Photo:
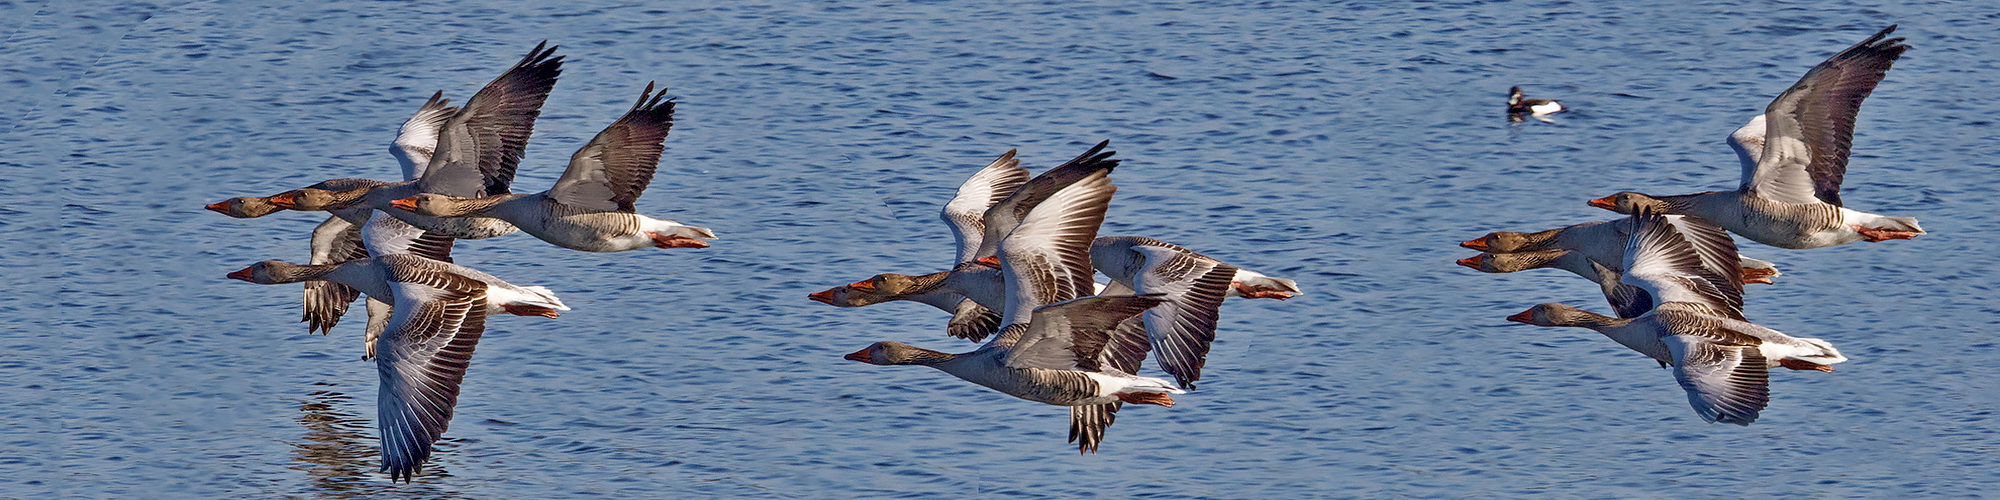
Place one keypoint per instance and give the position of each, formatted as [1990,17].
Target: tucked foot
[1873,234]
[1256,292]
[1758,275]
[675,241]
[1800,364]
[526,310]
[1146,398]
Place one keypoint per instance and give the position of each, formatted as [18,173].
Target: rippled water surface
[1348,146]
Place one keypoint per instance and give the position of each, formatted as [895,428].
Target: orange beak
[1605,203]
[993,262]
[286,200]
[1527,316]
[241,274]
[1478,244]
[220,207]
[1473,261]
[861,355]
[406,204]
[825,297]
[863,285]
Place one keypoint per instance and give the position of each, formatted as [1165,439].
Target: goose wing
[966,212]
[1810,128]
[1009,212]
[1722,370]
[1182,328]
[1046,258]
[479,148]
[1075,334]
[419,136]
[1659,260]
[610,172]
[422,359]
[386,235]
[333,242]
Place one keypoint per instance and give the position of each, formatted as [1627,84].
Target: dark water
[1348,146]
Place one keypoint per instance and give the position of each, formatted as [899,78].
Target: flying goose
[1518,106]
[1790,194]
[372,276]
[1059,346]
[478,150]
[1602,242]
[412,148]
[1181,328]
[428,342]
[1001,199]
[1695,324]
[591,206]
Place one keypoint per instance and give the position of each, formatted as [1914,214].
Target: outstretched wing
[1073,335]
[1182,328]
[1087,424]
[1009,212]
[1659,260]
[1725,383]
[333,242]
[1810,127]
[966,212]
[610,172]
[479,148]
[419,136]
[422,358]
[1046,258]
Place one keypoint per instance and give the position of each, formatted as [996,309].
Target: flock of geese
[1673,275]
[1023,278]
[392,241]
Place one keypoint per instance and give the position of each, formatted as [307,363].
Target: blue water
[1347,146]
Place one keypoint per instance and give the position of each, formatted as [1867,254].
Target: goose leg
[1251,292]
[1799,364]
[673,241]
[525,310]
[1873,235]
[1755,275]
[1146,398]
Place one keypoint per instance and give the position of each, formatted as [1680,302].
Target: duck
[1592,242]
[1695,324]
[477,152]
[439,317]
[590,208]
[1794,157]
[1518,105]
[1060,345]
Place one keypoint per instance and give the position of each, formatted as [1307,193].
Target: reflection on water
[339,451]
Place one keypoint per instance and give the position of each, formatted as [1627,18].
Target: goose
[1059,346]
[591,206]
[1601,242]
[1518,105]
[440,314]
[478,150]
[1790,193]
[988,204]
[1181,328]
[1695,324]
[370,276]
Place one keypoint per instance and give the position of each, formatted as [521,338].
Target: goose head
[438,205]
[273,272]
[1509,241]
[313,199]
[881,288]
[1628,202]
[1511,262]
[244,207]
[897,353]
[1555,314]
